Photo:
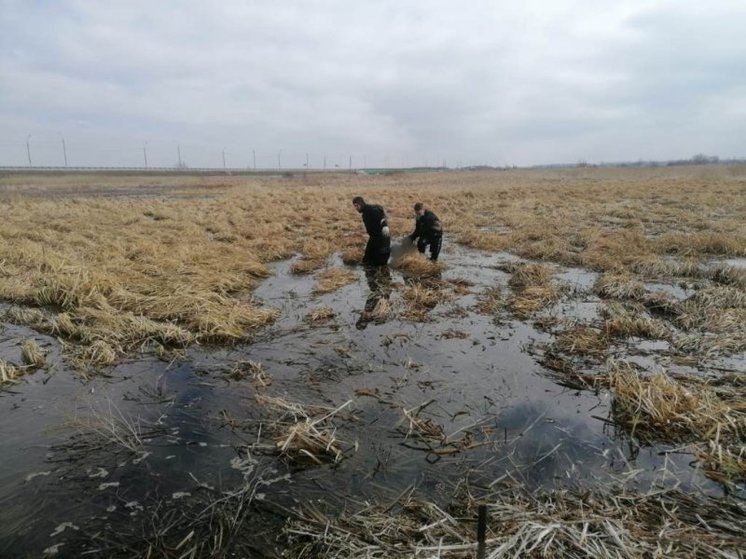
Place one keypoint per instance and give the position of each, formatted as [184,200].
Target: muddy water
[65,490]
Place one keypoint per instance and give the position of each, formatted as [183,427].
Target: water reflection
[377,305]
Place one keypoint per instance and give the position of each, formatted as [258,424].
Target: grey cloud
[484,81]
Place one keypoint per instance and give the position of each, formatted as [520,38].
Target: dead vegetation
[32,354]
[301,437]
[332,279]
[421,297]
[417,265]
[8,372]
[625,322]
[657,407]
[125,271]
[615,522]
[321,314]
[581,339]
[114,276]
[533,288]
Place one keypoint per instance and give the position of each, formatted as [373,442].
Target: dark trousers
[377,251]
[434,241]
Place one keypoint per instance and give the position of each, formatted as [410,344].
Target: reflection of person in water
[379,283]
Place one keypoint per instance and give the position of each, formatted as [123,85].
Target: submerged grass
[32,354]
[533,289]
[615,522]
[418,265]
[657,407]
[581,339]
[332,279]
[8,372]
[302,438]
[625,322]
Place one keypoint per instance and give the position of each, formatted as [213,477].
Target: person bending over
[428,231]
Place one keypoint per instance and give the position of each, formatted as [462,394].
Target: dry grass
[301,439]
[714,309]
[581,339]
[254,370]
[353,255]
[8,372]
[532,289]
[96,355]
[32,354]
[306,266]
[619,286]
[332,279]
[31,317]
[420,295]
[420,299]
[614,523]
[108,424]
[707,346]
[192,262]
[383,310]
[621,321]
[418,265]
[657,407]
[422,428]
[490,301]
[724,463]
[321,314]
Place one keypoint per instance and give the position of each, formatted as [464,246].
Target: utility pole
[253,155]
[350,162]
[279,160]
[145,153]
[223,159]
[28,149]
[178,151]
[64,150]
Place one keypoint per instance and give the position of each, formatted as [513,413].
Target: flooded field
[443,389]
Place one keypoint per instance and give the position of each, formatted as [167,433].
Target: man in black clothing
[428,230]
[378,249]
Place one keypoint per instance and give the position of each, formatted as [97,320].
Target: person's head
[419,208]
[358,202]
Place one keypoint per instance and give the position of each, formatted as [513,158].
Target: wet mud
[88,467]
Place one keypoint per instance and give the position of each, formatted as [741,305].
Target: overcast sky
[386,82]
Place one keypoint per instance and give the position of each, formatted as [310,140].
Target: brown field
[123,268]
[126,271]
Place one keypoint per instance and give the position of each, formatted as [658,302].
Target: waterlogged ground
[101,466]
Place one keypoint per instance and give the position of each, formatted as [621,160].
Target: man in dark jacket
[378,249]
[428,231]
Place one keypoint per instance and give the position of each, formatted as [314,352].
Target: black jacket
[374,218]
[427,225]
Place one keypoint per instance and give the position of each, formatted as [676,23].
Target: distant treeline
[699,159]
